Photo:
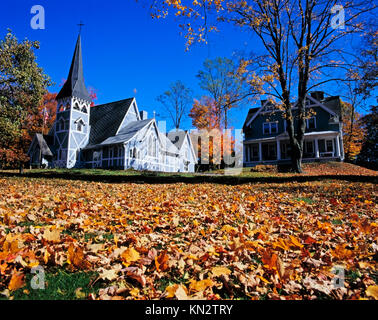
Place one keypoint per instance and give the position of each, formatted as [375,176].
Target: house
[266,139]
[113,135]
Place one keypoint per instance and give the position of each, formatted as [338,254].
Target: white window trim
[270,127]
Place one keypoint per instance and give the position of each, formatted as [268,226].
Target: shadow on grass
[156,178]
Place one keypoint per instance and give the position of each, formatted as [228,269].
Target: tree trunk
[21,171]
[296,157]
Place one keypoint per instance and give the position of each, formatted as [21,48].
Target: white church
[114,135]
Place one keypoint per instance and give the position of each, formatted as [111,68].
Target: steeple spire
[74,86]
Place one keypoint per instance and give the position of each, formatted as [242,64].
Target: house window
[254,152]
[309,147]
[285,150]
[61,125]
[270,127]
[274,127]
[269,151]
[329,145]
[79,125]
[308,151]
[111,155]
[311,123]
[84,110]
[76,106]
[154,148]
[62,154]
[96,156]
[150,146]
[266,128]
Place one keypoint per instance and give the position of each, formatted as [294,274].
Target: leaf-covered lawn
[182,241]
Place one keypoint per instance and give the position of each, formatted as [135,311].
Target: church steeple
[74,86]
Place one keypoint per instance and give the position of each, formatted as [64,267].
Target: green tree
[22,87]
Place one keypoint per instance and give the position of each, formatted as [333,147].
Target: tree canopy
[23,84]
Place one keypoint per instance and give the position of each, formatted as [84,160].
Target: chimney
[143,115]
[318,95]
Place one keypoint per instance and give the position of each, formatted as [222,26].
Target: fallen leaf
[129,256]
[201,285]
[17,281]
[79,294]
[52,236]
[220,271]
[372,291]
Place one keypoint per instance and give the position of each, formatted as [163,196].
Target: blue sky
[124,49]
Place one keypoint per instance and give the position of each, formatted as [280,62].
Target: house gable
[132,114]
[106,120]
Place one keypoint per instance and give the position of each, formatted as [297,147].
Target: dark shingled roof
[74,86]
[43,144]
[334,104]
[127,132]
[105,120]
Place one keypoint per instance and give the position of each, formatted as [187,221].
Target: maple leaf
[199,286]
[53,236]
[108,274]
[76,257]
[220,271]
[372,291]
[295,242]
[129,256]
[341,253]
[17,281]
[161,261]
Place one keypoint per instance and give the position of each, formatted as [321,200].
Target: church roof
[177,137]
[74,86]
[126,133]
[105,120]
[44,142]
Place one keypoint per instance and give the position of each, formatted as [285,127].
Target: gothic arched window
[84,109]
[61,125]
[76,106]
[80,125]
[150,148]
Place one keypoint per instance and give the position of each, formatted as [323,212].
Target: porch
[316,146]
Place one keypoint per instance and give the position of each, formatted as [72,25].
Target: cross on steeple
[81,24]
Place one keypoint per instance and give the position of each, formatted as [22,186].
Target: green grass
[60,285]
[304,199]
[104,172]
